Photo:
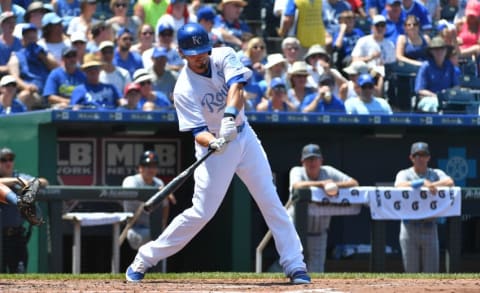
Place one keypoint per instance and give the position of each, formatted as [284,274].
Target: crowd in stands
[343,56]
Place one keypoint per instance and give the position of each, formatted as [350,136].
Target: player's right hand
[228,129]
[218,144]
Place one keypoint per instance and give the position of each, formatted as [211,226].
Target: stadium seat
[469,81]
[401,85]
[458,101]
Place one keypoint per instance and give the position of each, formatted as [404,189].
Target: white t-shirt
[375,106]
[367,45]
[55,48]
[118,78]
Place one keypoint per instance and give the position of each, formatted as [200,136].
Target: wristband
[230,111]
[417,183]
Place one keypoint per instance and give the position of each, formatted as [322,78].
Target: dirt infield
[243,285]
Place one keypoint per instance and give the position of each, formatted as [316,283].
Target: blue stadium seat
[401,85]
[470,81]
[458,101]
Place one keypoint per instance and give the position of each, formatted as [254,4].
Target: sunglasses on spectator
[381,24]
[4,160]
[411,24]
[147,33]
[127,39]
[145,82]
[118,5]
[367,87]
[167,33]
[258,47]
[279,89]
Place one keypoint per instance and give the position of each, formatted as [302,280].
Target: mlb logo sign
[76,159]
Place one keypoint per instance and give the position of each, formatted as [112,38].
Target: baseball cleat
[136,271]
[300,277]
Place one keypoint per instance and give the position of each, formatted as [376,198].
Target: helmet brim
[197,51]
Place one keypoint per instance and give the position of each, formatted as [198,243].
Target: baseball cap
[364,79]
[326,79]
[141,75]
[6,15]
[7,79]
[4,152]
[379,19]
[164,27]
[274,59]
[133,86]
[68,50]
[123,31]
[298,68]
[356,67]
[206,13]
[78,37]
[311,150]
[419,147]
[51,18]
[105,44]
[159,52]
[277,82]
[239,2]
[28,27]
[315,50]
[392,2]
[148,157]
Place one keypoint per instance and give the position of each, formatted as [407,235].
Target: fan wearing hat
[177,15]
[93,94]
[367,103]
[85,20]
[163,79]
[165,40]
[8,96]
[276,66]
[435,74]
[149,96]
[319,60]
[229,22]
[374,49]
[276,99]
[206,16]
[62,80]
[351,89]
[33,15]
[297,77]
[31,66]
[323,100]
[419,238]
[53,39]
[99,32]
[132,95]
[8,42]
[122,56]
[313,173]
[110,73]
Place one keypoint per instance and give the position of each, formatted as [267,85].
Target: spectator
[8,42]
[366,102]
[15,236]
[276,66]
[144,79]
[419,238]
[163,79]
[276,99]
[79,42]
[351,89]
[374,49]
[100,32]
[206,17]
[310,29]
[291,50]
[324,100]
[297,77]
[176,16]
[66,9]
[435,74]
[33,15]
[468,35]
[418,9]
[132,96]
[9,103]
[120,19]
[345,39]
[229,22]
[111,74]
[94,94]
[412,47]
[434,8]
[31,66]
[448,32]
[395,19]
[150,11]
[257,52]
[53,40]
[122,57]
[62,80]
[165,40]
[374,7]
[146,38]
[85,20]
[147,170]
[313,173]
[17,10]
[331,10]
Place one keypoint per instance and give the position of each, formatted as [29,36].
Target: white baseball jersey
[201,100]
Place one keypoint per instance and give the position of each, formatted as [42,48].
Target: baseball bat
[153,202]
[130,223]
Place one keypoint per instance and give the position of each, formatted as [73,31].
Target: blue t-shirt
[161,101]
[394,29]
[349,41]
[67,10]
[99,95]
[6,51]
[60,83]
[132,63]
[336,105]
[434,78]
[17,107]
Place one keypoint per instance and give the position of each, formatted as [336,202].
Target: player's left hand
[228,129]
[218,145]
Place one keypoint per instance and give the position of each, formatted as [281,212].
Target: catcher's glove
[26,201]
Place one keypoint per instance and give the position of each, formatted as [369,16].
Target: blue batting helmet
[193,39]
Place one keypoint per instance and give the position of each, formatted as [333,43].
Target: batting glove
[218,144]
[228,129]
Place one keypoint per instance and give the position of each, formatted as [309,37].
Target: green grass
[234,275]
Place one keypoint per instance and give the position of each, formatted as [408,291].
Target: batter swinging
[209,101]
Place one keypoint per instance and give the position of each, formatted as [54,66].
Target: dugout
[98,148]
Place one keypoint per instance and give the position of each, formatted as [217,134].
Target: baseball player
[139,234]
[314,173]
[419,238]
[209,101]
